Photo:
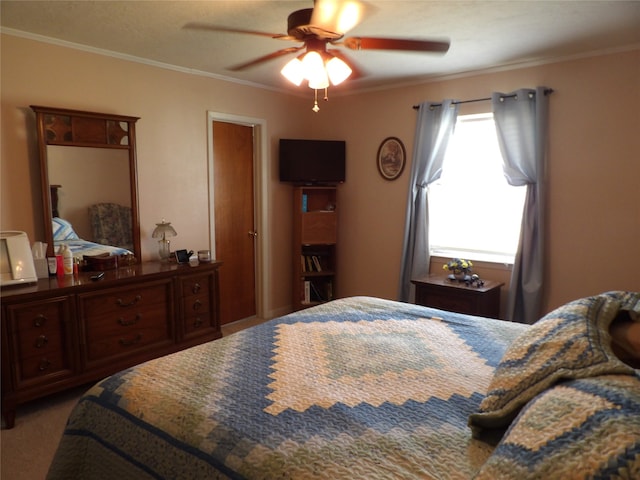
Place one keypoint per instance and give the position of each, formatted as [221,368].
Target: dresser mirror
[89,181]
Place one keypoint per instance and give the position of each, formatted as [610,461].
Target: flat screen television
[312,162]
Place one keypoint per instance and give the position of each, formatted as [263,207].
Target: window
[473,211]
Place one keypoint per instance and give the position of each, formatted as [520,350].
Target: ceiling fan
[317,28]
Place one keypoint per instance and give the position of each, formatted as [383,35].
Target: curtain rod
[547,91]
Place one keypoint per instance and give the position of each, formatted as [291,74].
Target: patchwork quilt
[356,388]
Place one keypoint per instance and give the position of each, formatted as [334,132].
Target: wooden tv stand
[66,331]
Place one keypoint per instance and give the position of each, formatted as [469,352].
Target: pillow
[62,230]
[572,341]
[588,428]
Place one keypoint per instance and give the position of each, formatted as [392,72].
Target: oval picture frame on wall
[391,158]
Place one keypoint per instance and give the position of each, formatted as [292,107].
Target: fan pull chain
[315,108]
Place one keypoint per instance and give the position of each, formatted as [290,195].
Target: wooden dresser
[67,331]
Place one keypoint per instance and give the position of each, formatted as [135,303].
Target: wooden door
[234,219]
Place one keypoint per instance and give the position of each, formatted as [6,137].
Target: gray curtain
[434,127]
[521,123]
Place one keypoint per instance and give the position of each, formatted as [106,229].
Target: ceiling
[483,34]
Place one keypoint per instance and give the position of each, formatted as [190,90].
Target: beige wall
[593,195]
[593,207]
[171,140]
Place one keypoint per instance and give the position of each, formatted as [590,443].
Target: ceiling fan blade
[265,58]
[337,16]
[217,28]
[371,43]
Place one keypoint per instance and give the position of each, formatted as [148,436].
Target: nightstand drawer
[440,292]
[454,303]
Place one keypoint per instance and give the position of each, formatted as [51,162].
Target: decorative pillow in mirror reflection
[63,230]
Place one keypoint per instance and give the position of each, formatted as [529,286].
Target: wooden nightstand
[439,292]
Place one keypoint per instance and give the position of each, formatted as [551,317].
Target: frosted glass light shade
[313,68]
[338,70]
[315,71]
[293,71]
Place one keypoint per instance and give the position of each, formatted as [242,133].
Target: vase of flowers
[460,269]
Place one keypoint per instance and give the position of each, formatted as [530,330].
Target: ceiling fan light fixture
[315,71]
[294,71]
[338,70]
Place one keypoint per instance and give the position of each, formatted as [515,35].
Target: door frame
[261,199]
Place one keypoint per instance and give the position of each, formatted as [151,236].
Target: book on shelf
[307,291]
[316,263]
[315,293]
[305,199]
[311,263]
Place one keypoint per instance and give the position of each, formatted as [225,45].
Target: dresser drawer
[197,304]
[197,314]
[131,342]
[32,343]
[43,366]
[122,300]
[40,340]
[37,317]
[196,285]
[125,321]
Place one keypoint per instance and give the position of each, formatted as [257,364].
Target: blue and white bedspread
[356,388]
[80,247]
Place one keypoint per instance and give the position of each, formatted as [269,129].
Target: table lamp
[162,231]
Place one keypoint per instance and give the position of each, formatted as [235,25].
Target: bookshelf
[315,233]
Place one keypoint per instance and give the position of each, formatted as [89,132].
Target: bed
[366,388]
[64,234]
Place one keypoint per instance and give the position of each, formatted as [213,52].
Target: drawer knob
[197,322]
[122,303]
[132,341]
[41,341]
[196,288]
[128,323]
[197,305]
[40,320]
[44,364]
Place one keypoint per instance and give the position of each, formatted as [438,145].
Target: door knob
[253,234]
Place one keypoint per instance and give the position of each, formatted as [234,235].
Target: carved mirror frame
[76,128]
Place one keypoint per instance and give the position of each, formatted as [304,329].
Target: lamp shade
[163,230]
[315,71]
[338,70]
[293,71]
